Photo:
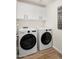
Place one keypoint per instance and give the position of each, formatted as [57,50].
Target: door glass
[46,38]
[28,41]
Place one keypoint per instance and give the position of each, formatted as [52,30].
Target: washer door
[46,38]
[28,41]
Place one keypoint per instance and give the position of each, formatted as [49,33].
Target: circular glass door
[28,41]
[46,38]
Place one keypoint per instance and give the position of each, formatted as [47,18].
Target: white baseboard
[57,49]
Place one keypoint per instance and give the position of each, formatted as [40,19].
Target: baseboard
[57,50]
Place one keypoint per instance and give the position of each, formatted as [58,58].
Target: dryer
[27,42]
[45,39]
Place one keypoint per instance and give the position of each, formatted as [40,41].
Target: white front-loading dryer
[27,42]
[45,39]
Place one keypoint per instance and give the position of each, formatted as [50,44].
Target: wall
[31,23]
[52,22]
[32,11]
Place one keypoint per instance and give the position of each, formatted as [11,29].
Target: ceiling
[42,3]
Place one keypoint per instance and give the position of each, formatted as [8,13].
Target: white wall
[30,10]
[52,22]
[30,23]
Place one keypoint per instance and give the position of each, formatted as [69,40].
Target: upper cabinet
[29,11]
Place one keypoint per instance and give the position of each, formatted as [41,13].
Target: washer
[27,42]
[45,39]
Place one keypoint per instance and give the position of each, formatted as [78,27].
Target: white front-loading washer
[45,38]
[27,42]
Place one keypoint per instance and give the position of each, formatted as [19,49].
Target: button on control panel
[28,31]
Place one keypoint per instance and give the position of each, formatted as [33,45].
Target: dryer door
[28,41]
[46,38]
